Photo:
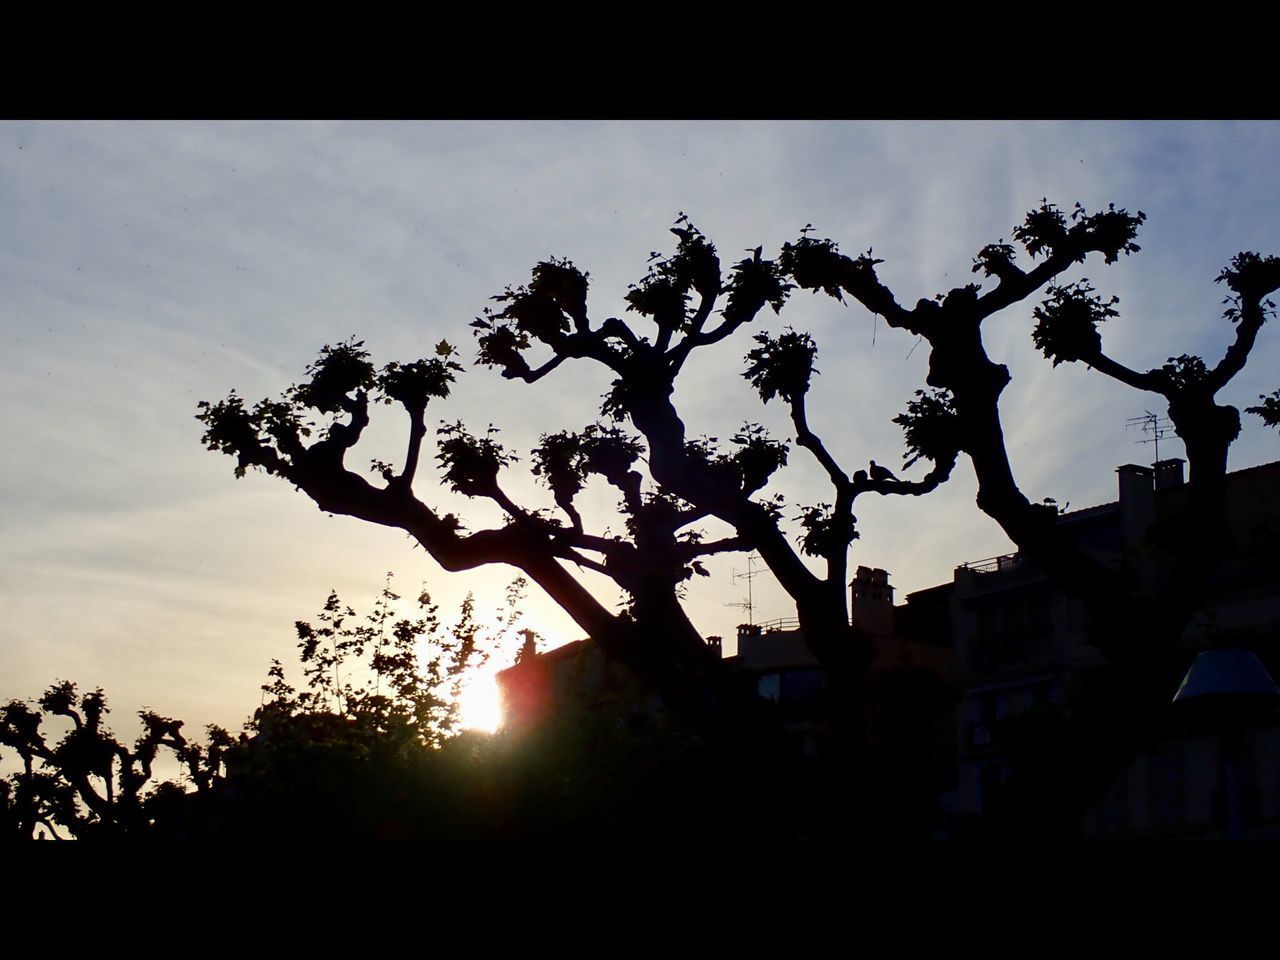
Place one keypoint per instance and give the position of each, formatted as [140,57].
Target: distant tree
[343,755]
[89,784]
[357,753]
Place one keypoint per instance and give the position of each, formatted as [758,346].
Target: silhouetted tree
[691,478]
[1136,622]
[88,783]
[687,302]
[354,754]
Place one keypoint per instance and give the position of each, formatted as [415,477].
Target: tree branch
[1252,316]
[711,547]
[1118,371]
[417,431]
[939,475]
[530,375]
[811,442]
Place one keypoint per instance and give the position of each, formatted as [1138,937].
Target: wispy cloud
[148,266]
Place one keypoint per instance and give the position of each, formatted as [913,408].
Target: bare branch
[529,375]
[811,442]
[1149,381]
[710,547]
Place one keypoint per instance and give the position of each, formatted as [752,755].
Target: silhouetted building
[912,664]
[1022,648]
[580,673]
[909,684]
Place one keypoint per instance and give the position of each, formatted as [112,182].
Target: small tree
[89,783]
[343,754]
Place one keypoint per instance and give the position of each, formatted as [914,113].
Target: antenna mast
[750,575]
[1151,423]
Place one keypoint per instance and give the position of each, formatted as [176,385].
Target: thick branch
[1252,316]
[939,475]
[586,563]
[532,376]
[811,442]
[1118,371]
[859,280]
[613,328]
[1017,284]
[680,353]
[711,547]
[343,436]
[417,431]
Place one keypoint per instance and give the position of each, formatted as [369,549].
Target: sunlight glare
[481,703]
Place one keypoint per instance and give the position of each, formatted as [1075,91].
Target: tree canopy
[668,481]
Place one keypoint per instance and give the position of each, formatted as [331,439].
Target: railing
[1008,561]
[779,625]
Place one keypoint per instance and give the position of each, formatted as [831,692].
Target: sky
[149,266]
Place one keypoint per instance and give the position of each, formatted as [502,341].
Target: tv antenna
[1156,426]
[750,574]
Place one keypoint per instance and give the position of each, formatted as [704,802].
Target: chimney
[872,601]
[1168,473]
[1137,502]
[717,646]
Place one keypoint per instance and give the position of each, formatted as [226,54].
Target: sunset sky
[148,266]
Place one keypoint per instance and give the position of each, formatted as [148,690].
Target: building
[911,666]
[580,673]
[1022,648]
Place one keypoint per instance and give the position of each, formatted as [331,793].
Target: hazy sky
[148,266]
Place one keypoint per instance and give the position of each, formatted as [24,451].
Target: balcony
[1001,564]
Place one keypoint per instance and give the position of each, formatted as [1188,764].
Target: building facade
[1022,649]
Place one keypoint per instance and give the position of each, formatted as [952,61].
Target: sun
[481,703]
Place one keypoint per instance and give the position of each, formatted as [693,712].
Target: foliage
[89,784]
[1066,323]
[782,366]
[929,427]
[1268,410]
[344,754]
[670,480]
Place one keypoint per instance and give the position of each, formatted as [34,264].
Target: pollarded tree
[88,782]
[653,635]
[686,303]
[1136,622]
[689,479]
[1066,330]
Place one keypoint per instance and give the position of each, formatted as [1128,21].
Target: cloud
[148,266]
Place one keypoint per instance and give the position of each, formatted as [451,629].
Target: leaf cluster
[1067,322]
[825,534]
[1046,230]
[664,292]
[471,464]
[1184,373]
[1268,410]
[565,460]
[414,384]
[930,427]
[782,366]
